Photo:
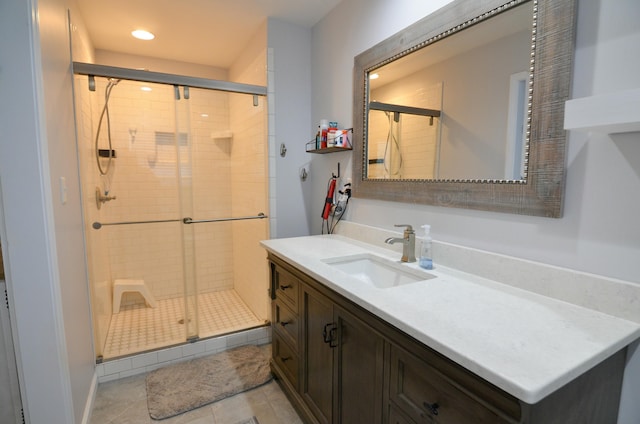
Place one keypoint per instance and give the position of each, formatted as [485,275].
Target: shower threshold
[138,329]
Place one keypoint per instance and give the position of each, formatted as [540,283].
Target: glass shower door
[133,208]
[224,192]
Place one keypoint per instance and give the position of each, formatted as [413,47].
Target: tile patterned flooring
[124,401]
[138,328]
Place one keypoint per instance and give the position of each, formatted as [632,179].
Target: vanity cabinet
[339,363]
[339,360]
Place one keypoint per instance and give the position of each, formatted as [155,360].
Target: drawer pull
[431,407]
[287,286]
[285,359]
[285,323]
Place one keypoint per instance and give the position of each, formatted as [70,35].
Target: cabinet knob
[285,359]
[288,286]
[431,407]
[285,323]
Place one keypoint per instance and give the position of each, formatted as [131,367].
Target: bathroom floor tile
[124,402]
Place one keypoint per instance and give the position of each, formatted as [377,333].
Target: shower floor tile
[138,328]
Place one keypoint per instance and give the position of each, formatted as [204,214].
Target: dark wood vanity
[339,363]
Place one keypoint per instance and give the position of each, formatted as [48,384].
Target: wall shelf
[344,146]
[221,135]
[330,150]
[611,113]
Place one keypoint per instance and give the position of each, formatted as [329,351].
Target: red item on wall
[329,200]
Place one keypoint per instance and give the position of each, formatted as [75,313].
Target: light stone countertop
[527,344]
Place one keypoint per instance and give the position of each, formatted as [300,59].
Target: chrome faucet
[408,243]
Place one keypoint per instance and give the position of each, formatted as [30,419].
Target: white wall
[599,231]
[290,123]
[67,212]
[42,236]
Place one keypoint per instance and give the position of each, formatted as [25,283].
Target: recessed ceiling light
[373,76]
[142,34]
[145,88]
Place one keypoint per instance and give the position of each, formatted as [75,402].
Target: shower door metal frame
[91,69]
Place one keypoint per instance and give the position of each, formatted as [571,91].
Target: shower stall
[175,191]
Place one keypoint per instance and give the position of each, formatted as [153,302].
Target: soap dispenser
[426,257]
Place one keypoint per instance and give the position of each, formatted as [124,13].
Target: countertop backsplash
[608,295]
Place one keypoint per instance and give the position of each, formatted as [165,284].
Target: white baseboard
[91,397]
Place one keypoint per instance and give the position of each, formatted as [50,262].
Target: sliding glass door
[174,182]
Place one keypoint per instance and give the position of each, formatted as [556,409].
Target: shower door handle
[189,220]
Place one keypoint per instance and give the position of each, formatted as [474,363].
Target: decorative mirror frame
[541,193]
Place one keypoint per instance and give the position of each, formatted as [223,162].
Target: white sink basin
[376,271]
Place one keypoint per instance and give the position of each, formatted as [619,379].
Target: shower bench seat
[122,286]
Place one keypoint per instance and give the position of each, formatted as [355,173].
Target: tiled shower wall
[145,181]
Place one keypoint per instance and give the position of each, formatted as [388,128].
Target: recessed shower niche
[185,210]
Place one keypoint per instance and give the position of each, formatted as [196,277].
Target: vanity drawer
[426,395]
[286,323]
[396,417]
[285,359]
[286,287]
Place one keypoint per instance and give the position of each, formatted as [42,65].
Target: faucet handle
[408,228]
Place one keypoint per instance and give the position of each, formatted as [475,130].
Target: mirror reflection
[456,109]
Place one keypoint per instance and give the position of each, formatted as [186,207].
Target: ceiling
[206,32]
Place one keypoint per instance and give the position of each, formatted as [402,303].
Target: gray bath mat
[188,385]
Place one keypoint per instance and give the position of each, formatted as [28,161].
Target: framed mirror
[465,108]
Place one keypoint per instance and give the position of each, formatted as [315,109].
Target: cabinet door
[358,371]
[317,381]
